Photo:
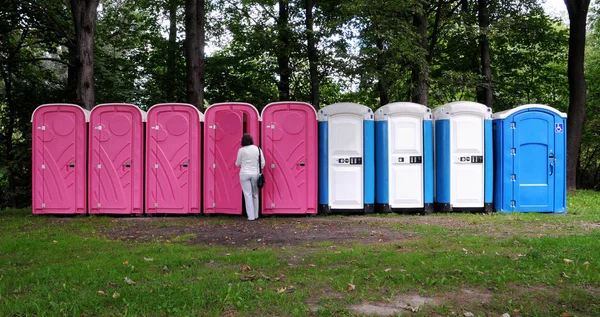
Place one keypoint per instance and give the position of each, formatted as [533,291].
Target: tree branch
[28,60]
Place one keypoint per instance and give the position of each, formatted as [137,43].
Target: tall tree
[171,50]
[283,54]
[484,93]
[312,55]
[192,50]
[420,69]
[201,24]
[84,18]
[577,10]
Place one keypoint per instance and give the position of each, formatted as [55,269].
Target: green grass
[53,266]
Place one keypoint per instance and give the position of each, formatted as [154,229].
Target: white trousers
[250,190]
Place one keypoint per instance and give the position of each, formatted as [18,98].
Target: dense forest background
[503,53]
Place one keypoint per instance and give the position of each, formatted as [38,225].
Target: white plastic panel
[345,179]
[406,161]
[467,177]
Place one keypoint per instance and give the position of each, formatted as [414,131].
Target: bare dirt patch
[240,232]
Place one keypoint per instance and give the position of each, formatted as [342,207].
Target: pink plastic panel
[173,159]
[289,140]
[224,125]
[59,165]
[116,162]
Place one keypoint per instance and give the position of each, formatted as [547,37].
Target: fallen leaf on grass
[505,315]
[165,268]
[351,287]
[260,289]
[563,274]
[263,276]
[126,262]
[245,267]
[311,265]
[116,295]
[281,290]
[468,314]
[129,281]
[387,270]
[566,314]
[568,261]
[247,278]
[148,259]
[101,292]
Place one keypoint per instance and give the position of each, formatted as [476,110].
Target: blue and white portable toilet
[463,157]
[346,158]
[530,149]
[403,158]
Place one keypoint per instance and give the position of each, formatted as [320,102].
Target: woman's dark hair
[247,140]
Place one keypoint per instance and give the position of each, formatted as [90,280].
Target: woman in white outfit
[247,159]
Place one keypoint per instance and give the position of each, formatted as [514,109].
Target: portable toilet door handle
[551,169]
[185,164]
[128,164]
[72,164]
[302,163]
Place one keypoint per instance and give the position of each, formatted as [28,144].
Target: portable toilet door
[463,157]
[531,148]
[346,158]
[289,144]
[224,125]
[59,159]
[403,158]
[173,160]
[116,159]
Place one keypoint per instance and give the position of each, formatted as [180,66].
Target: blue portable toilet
[403,158]
[346,158]
[463,157]
[530,146]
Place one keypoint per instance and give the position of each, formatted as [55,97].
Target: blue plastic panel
[428,161]
[560,181]
[369,163]
[442,157]
[489,163]
[382,182]
[323,167]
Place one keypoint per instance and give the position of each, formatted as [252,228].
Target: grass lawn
[443,264]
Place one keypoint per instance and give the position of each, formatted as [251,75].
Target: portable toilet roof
[344,107]
[86,113]
[142,112]
[233,103]
[456,107]
[404,108]
[507,113]
[200,115]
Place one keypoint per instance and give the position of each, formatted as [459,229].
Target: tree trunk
[578,10]
[201,23]
[485,93]
[191,53]
[420,70]
[9,130]
[381,85]
[171,52]
[312,55]
[283,55]
[84,19]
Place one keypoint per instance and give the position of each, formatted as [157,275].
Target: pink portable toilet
[289,143]
[173,161]
[116,159]
[224,125]
[58,159]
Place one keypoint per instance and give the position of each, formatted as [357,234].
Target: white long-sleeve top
[247,158]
